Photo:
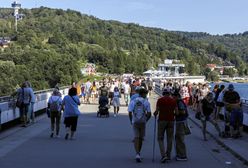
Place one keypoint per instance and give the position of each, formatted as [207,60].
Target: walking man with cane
[139,113]
[165,109]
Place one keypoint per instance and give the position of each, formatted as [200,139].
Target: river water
[241,88]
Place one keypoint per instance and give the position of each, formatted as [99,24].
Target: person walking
[139,113]
[165,108]
[207,107]
[93,90]
[55,108]
[127,90]
[70,105]
[116,101]
[181,124]
[88,90]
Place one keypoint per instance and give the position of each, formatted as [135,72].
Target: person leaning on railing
[233,113]
[24,98]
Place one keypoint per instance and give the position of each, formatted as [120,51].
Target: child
[116,101]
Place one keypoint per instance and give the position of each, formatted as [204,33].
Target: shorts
[88,94]
[139,130]
[71,122]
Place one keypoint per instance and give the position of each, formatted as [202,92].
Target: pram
[103,107]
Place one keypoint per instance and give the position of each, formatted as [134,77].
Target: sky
[211,16]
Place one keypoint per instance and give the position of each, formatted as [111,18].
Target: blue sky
[211,16]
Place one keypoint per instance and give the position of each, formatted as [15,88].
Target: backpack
[54,106]
[139,113]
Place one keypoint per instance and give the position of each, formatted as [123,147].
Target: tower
[16,6]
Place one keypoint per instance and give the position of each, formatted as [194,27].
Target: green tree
[229,71]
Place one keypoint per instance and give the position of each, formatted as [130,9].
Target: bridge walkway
[102,142]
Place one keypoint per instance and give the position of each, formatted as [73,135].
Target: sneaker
[114,115]
[57,136]
[66,136]
[138,158]
[164,159]
[181,158]
[51,135]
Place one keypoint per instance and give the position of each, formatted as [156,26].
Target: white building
[173,70]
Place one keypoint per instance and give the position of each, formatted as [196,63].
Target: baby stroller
[103,107]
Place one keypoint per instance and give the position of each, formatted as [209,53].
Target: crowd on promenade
[171,109]
[209,104]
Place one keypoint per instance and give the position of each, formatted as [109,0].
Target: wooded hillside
[52,45]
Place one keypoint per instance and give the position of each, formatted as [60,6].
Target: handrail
[11,98]
[158,90]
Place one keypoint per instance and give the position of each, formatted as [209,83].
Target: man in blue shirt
[24,95]
[139,113]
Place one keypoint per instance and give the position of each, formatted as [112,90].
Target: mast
[16,6]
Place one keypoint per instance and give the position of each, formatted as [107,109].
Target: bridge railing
[9,111]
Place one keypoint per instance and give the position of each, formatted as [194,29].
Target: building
[4,42]
[173,70]
[89,69]
[219,68]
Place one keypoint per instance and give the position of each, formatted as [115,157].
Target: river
[241,88]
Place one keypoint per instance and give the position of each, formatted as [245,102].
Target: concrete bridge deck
[102,142]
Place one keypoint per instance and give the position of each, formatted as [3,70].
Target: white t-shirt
[112,87]
[126,89]
[87,86]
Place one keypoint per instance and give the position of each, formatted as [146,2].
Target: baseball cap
[230,87]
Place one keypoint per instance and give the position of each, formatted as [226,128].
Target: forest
[52,45]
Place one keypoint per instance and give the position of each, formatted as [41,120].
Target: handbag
[19,104]
[187,130]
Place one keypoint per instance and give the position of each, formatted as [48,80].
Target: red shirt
[166,106]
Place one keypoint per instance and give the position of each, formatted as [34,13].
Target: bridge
[107,142]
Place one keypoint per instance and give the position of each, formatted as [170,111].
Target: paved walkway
[101,142]
[238,147]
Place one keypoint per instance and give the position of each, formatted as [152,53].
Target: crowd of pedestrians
[171,109]
[209,105]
